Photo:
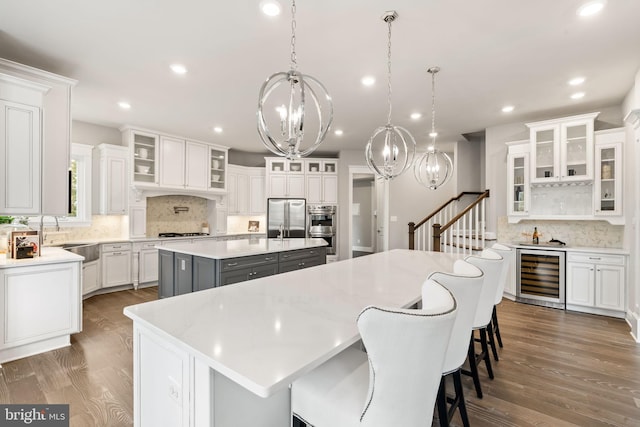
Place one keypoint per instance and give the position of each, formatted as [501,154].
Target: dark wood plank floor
[556,369]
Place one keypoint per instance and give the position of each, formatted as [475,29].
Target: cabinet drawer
[302,253]
[595,258]
[116,247]
[299,264]
[250,261]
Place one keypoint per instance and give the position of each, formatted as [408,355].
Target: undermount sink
[90,251]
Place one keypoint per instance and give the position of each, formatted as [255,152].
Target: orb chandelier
[390,149]
[291,103]
[434,168]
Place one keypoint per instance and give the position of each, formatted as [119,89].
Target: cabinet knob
[231,264]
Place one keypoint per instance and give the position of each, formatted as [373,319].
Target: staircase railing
[462,232]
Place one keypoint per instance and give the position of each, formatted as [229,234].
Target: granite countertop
[49,256]
[241,248]
[568,248]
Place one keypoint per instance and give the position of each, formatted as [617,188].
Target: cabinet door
[145,158]
[243,194]
[576,150]
[314,189]
[204,273]
[196,166]
[138,221]
[165,274]
[257,199]
[183,274]
[148,266]
[518,184]
[580,284]
[546,154]
[172,161]
[20,159]
[330,189]
[116,179]
[296,186]
[116,268]
[90,277]
[236,276]
[221,220]
[232,192]
[218,172]
[264,271]
[278,186]
[608,180]
[610,287]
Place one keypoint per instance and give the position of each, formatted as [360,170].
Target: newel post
[436,237]
[412,231]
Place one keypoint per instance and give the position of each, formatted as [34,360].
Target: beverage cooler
[541,277]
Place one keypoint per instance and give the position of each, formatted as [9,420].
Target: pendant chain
[433,106]
[389,71]
[294,63]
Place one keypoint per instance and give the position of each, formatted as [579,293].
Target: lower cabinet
[90,277]
[116,264]
[181,273]
[596,283]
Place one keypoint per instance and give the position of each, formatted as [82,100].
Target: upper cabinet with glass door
[562,149]
[608,174]
[518,189]
[218,165]
[144,147]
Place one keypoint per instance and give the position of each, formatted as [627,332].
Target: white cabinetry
[145,263]
[313,179]
[197,165]
[110,184]
[90,277]
[144,154]
[608,173]
[172,157]
[562,149]
[35,130]
[596,283]
[116,264]
[245,186]
[518,185]
[285,178]
[40,307]
[322,181]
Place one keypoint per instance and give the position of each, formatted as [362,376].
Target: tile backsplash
[179,214]
[593,234]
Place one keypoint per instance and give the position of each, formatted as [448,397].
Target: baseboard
[362,248]
[634,323]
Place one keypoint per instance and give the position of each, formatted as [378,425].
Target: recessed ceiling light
[270,7]
[577,95]
[178,68]
[591,8]
[507,108]
[338,132]
[433,134]
[124,105]
[416,116]
[576,81]
[217,129]
[368,80]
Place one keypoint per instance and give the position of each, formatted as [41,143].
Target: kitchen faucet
[41,236]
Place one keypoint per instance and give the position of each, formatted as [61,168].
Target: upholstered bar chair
[506,253]
[465,284]
[490,262]
[395,383]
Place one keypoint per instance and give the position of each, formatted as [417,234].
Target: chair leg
[473,367]
[492,341]
[496,327]
[462,407]
[485,352]
[441,402]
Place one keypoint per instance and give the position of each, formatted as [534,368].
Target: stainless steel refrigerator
[288,214]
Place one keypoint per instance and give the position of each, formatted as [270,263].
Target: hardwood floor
[556,369]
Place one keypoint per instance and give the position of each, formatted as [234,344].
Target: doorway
[368,212]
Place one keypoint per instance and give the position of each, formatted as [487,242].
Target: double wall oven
[322,222]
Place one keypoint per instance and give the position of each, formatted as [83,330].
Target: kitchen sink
[90,251]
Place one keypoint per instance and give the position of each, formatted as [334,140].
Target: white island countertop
[264,333]
[50,255]
[241,248]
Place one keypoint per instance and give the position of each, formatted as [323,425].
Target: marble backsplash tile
[103,227]
[162,216]
[596,234]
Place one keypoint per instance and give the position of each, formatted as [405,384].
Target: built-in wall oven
[322,222]
[541,277]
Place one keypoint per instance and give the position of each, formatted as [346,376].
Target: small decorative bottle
[535,235]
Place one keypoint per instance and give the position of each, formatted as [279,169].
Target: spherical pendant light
[434,168]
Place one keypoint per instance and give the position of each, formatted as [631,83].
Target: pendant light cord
[433,107]
[294,63]
[389,21]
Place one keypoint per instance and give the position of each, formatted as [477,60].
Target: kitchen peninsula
[190,267]
[225,356]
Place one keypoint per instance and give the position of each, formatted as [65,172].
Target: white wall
[92,134]
[362,222]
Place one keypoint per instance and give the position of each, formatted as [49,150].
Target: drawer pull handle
[231,264]
[595,258]
[269,258]
[285,256]
[117,253]
[312,252]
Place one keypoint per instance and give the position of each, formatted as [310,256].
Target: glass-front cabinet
[518,186]
[608,182]
[145,159]
[562,149]
[218,165]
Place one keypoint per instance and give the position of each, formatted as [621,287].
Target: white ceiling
[492,53]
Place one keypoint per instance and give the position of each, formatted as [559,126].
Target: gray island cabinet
[190,267]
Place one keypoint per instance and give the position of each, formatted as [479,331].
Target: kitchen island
[40,303]
[226,356]
[191,267]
